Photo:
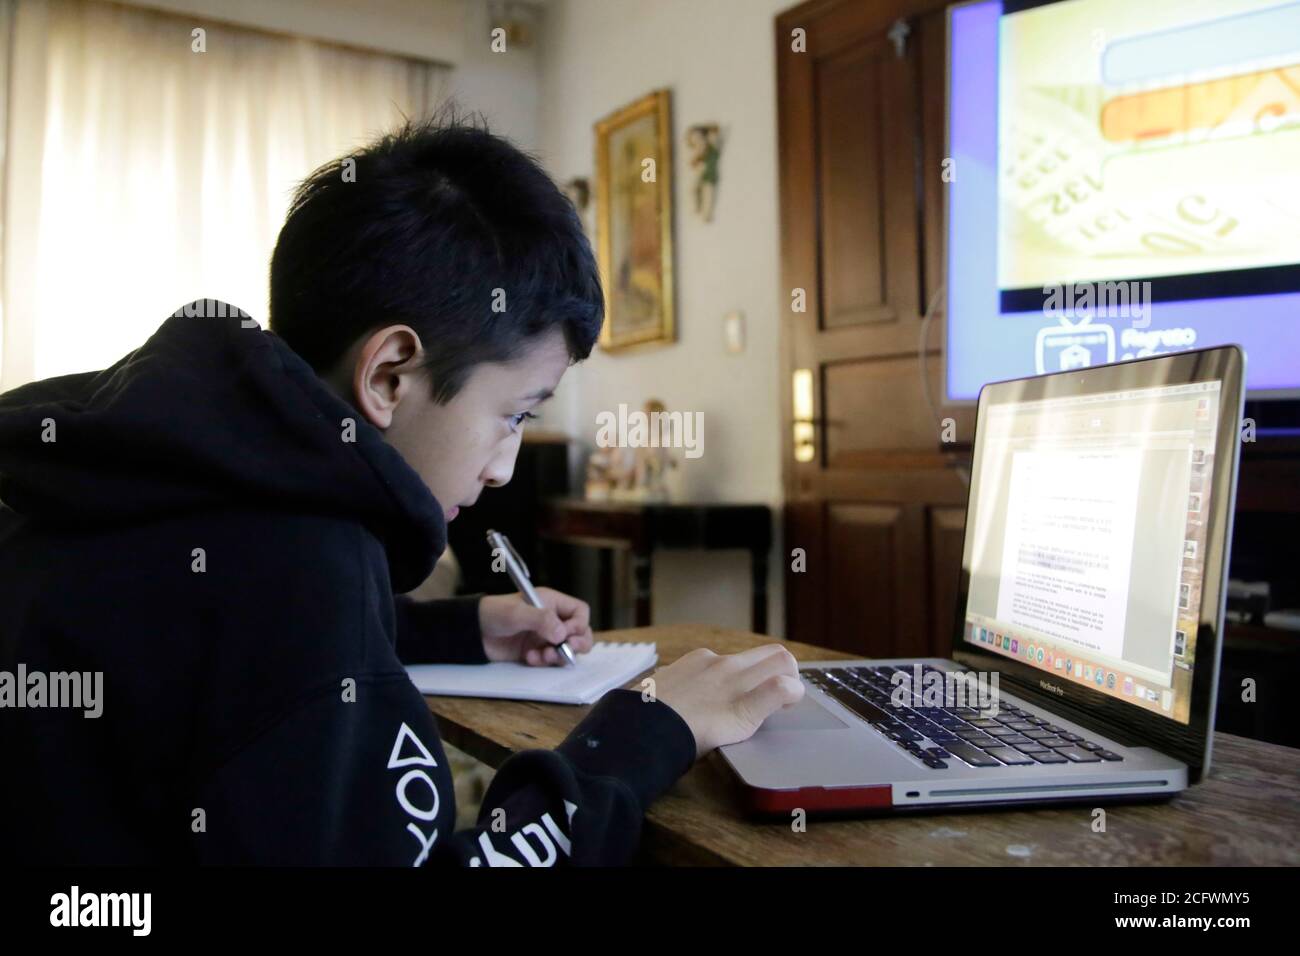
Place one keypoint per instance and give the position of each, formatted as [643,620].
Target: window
[147,166]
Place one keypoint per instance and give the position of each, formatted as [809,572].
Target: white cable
[962,473]
[921,355]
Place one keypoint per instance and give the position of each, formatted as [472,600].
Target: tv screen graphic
[1126,183]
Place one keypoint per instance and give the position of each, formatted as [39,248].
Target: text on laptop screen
[1088,538]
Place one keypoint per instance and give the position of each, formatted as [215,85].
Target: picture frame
[635,223]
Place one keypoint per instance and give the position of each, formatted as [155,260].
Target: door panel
[848,97]
[875,405]
[878,597]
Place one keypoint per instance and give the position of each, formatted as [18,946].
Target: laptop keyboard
[1008,737]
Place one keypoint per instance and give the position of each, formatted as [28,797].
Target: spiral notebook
[601,669]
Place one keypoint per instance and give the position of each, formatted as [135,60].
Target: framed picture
[634,222]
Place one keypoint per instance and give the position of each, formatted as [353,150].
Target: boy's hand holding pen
[537,626]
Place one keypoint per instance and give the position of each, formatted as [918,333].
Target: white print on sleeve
[527,850]
[422,759]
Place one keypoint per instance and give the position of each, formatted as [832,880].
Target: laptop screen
[1087,544]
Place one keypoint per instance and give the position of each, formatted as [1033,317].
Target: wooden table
[641,527]
[1247,812]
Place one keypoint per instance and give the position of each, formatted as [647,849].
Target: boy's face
[473,439]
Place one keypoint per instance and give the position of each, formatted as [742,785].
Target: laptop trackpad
[808,714]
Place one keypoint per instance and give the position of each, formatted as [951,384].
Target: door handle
[804,419]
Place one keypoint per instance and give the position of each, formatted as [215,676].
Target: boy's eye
[517,421]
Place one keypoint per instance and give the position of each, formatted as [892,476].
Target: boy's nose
[502,467]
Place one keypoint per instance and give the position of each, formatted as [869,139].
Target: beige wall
[503,86]
[717,58]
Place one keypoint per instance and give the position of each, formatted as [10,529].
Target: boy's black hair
[443,221]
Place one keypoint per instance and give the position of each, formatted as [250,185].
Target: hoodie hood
[209,414]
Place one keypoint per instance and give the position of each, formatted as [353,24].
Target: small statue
[642,473]
[608,470]
[652,464]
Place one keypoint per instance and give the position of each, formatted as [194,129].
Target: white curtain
[142,174]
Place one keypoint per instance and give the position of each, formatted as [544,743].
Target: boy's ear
[385,369]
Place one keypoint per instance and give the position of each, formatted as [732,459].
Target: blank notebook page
[603,668]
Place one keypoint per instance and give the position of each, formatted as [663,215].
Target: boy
[209,537]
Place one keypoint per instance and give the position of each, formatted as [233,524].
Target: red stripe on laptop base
[820,798]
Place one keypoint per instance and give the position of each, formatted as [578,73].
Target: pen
[518,572]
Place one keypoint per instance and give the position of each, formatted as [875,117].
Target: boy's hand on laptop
[724,698]
[514,630]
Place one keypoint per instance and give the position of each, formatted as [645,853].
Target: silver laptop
[1085,651]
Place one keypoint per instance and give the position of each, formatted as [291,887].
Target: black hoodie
[191,524]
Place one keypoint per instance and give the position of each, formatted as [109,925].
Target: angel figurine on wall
[704,141]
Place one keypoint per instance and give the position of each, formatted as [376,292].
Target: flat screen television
[1122,180]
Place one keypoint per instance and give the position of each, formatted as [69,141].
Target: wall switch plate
[733,330]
